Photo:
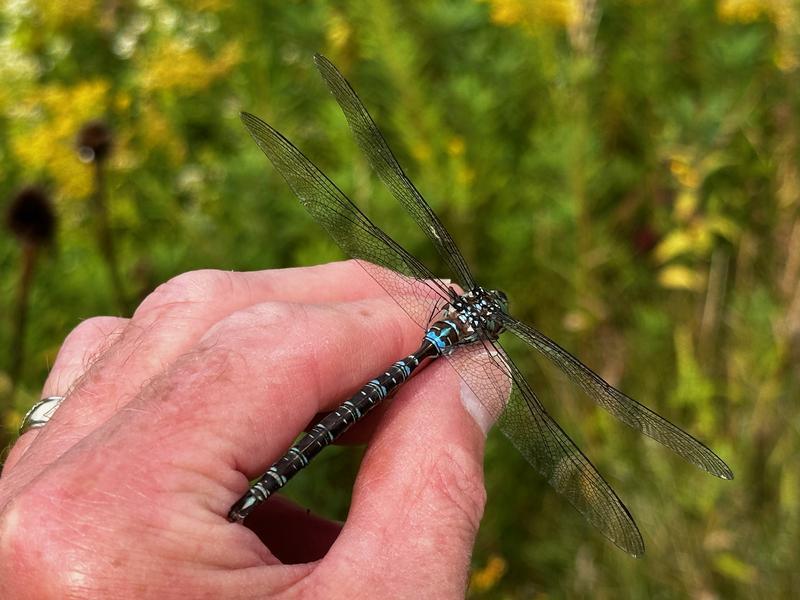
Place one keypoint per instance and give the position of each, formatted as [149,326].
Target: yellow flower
[181,67]
[207,5]
[783,13]
[694,240]
[684,172]
[123,102]
[338,32]
[686,204]
[532,14]
[159,135]
[787,59]
[57,113]
[507,12]
[485,579]
[465,175]
[742,11]
[421,151]
[786,15]
[456,146]
[58,13]
[681,277]
[674,244]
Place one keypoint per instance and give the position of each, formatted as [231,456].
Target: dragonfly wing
[623,407]
[503,391]
[374,146]
[403,277]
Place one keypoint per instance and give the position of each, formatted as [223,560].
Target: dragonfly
[461,328]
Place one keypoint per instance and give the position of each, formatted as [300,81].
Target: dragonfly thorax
[477,314]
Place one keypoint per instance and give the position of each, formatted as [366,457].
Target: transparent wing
[503,391]
[403,277]
[624,408]
[380,156]
[493,379]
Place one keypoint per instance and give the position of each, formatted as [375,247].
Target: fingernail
[483,417]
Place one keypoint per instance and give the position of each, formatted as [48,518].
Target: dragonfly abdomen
[331,427]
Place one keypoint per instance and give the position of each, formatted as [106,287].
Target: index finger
[167,324]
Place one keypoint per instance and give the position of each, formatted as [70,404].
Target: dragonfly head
[497,302]
[501,299]
[480,311]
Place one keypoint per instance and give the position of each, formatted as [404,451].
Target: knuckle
[244,340]
[252,323]
[82,347]
[87,332]
[177,389]
[187,288]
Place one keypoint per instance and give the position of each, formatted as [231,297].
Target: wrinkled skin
[125,492]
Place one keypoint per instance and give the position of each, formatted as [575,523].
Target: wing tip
[248,118]
[256,127]
[726,474]
[632,544]
[632,547]
[716,467]
[322,61]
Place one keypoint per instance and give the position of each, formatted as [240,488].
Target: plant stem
[106,240]
[29,255]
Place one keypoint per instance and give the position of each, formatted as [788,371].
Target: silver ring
[39,414]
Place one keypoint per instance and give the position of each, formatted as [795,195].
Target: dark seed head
[31,217]
[644,239]
[94,141]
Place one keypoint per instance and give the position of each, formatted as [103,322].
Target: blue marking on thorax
[438,339]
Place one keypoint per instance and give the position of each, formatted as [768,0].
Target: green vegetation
[626,171]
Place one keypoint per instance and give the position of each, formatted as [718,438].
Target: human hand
[125,492]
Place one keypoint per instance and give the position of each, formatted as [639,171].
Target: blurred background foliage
[627,171]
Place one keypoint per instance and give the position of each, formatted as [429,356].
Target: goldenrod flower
[743,11]
[532,14]
[58,13]
[783,14]
[486,578]
[57,113]
[159,134]
[456,146]
[680,277]
[181,67]
[338,31]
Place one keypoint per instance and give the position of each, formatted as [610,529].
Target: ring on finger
[40,413]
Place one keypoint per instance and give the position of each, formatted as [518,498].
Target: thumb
[419,496]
